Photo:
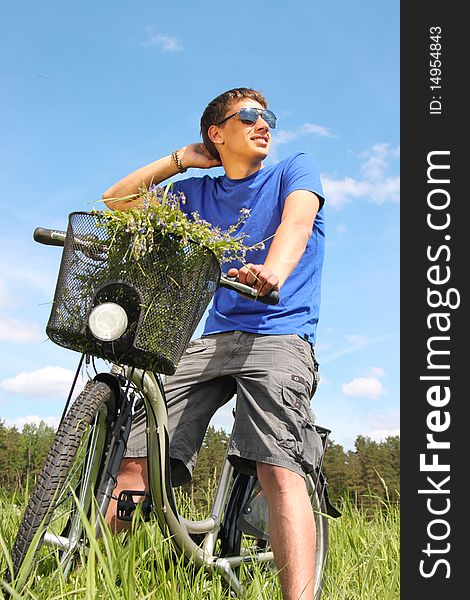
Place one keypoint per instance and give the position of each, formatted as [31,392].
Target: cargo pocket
[196,346]
[304,439]
[294,395]
[305,352]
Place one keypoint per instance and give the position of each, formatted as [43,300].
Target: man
[262,353]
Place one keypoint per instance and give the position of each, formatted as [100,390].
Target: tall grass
[139,565]
[364,553]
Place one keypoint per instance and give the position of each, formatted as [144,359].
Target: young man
[262,353]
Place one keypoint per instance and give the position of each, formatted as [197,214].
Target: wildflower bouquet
[160,221]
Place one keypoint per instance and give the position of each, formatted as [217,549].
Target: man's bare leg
[291,530]
[132,475]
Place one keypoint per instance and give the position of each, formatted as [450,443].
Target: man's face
[246,140]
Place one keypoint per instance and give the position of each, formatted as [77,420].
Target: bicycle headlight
[108,321]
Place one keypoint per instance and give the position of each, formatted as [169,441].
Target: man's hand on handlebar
[257,276]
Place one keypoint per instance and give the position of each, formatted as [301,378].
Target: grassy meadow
[363,564]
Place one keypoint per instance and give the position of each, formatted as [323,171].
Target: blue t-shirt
[219,200]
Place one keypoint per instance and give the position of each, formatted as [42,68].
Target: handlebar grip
[49,237]
[231,283]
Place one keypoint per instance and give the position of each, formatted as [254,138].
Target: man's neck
[237,169]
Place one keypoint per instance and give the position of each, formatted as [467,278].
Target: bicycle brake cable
[64,412]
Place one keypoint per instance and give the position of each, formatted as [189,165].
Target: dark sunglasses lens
[269,117]
[248,115]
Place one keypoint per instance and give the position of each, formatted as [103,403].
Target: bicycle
[110,320]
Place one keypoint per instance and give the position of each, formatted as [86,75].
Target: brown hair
[215,111]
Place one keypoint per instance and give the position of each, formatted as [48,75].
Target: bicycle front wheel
[53,520]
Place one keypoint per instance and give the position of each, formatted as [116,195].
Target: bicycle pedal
[126,505]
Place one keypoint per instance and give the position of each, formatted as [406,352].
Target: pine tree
[35,443]
[10,458]
[208,466]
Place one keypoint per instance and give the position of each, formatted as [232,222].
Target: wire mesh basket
[164,295]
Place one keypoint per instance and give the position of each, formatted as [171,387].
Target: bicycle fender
[111,381]
[331,510]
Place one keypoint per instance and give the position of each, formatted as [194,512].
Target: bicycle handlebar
[231,283]
[55,237]
[49,237]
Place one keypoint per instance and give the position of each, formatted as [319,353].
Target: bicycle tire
[319,507]
[233,538]
[77,454]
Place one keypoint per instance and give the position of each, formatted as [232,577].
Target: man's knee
[279,478]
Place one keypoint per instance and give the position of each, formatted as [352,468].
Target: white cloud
[40,277]
[379,435]
[383,425]
[358,340]
[340,192]
[311,128]
[356,343]
[346,420]
[49,382]
[20,422]
[376,185]
[6,300]
[284,136]
[368,387]
[324,380]
[15,330]
[377,372]
[165,42]
[377,161]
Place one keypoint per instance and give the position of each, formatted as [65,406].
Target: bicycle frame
[164,503]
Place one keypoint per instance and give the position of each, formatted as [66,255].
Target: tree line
[22,454]
[368,474]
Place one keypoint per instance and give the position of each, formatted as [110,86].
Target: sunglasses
[250,114]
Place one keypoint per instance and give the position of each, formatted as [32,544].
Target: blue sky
[93,90]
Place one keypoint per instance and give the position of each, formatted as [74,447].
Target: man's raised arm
[121,195]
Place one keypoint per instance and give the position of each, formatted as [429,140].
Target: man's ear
[215,135]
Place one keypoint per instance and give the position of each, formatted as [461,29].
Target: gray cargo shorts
[273,377]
